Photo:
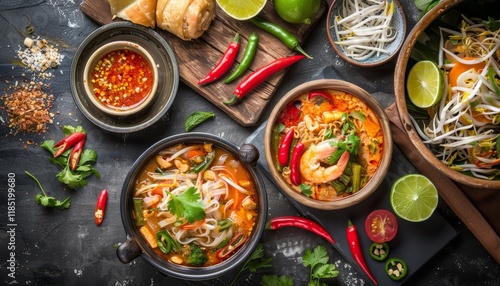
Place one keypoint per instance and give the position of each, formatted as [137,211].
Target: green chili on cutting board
[248,56]
[281,33]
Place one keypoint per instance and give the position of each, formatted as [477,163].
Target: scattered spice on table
[39,56]
[28,107]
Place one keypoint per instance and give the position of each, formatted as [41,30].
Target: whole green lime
[297,11]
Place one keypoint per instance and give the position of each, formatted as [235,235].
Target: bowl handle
[249,154]
[128,251]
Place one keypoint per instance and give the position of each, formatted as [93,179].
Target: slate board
[195,58]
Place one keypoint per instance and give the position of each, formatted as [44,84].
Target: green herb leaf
[71,179]
[46,201]
[306,190]
[187,205]
[68,129]
[275,280]
[317,260]
[254,262]
[196,118]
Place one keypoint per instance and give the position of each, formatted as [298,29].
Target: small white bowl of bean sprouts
[459,134]
[366,33]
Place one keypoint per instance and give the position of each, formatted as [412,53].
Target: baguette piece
[187,19]
[140,12]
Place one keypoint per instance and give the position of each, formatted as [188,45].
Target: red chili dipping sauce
[122,79]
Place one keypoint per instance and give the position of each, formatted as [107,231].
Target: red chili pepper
[284,148]
[296,221]
[224,63]
[259,75]
[68,142]
[100,207]
[356,250]
[76,152]
[319,93]
[237,241]
[295,163]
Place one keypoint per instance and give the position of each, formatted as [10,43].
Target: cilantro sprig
[254,262]
[317,260]
[77,178]
[187,205]
[47,201]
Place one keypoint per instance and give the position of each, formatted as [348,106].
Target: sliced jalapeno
[379,251]
[165,242]
[396,268]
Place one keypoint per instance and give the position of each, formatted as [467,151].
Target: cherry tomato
[381,226]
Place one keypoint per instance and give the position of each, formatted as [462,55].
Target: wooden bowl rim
[379,176]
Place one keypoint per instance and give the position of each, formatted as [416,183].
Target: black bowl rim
[183,272]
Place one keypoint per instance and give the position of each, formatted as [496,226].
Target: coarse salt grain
[40,56]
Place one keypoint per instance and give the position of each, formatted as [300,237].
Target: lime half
[425,84]
[414,197]
[242,9]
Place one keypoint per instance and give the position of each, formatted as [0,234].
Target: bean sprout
[364,28]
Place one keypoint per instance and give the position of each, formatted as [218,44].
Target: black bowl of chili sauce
[165,64]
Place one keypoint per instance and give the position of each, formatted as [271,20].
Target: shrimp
[310,163]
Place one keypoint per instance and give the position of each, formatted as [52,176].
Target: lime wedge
[414,197]
[242,9]
[425,84]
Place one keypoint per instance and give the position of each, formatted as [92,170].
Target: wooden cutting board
[197,57]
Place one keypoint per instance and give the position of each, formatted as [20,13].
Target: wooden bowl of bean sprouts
[328,144]
[459,134]
[366,33]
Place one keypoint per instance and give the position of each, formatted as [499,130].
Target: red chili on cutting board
[224,63]
[100,207]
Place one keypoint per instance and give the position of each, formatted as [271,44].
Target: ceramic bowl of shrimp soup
[459,132]
[366,33]
[328,144]
[193,206]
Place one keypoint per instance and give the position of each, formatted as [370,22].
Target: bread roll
[137,11]
[187,19]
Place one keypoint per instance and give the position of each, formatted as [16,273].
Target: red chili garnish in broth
[122,79]
[290,115]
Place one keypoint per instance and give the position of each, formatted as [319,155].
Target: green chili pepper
[203,165]
[164,241]
[396,268]
[225,224]
[247,59]
[139,219]
[281,33]
[379,251]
